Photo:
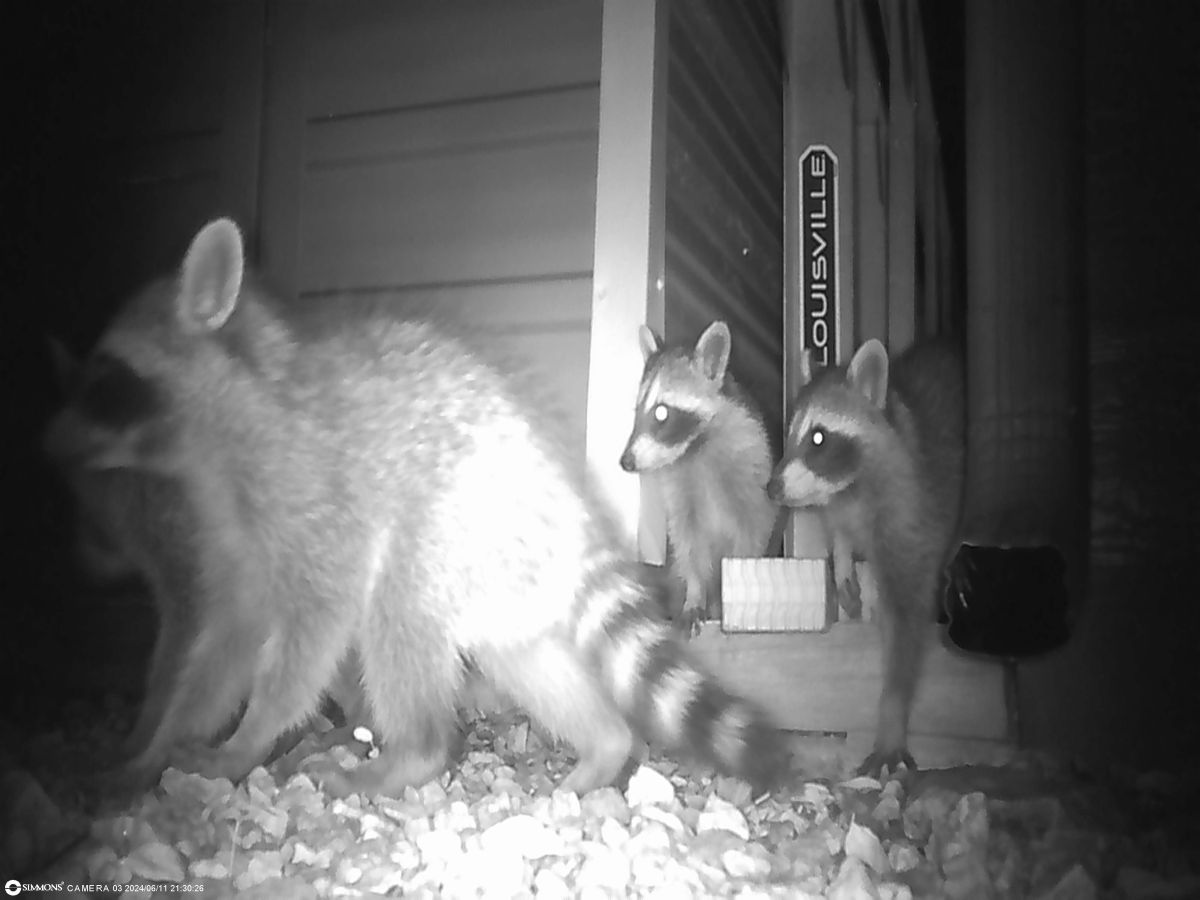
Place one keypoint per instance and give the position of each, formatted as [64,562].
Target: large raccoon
[700,438]
[372,486]
[881,455]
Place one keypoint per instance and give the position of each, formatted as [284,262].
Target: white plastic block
[759,595]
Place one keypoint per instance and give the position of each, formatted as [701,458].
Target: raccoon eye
[116,395]
[661,413]
[817,437]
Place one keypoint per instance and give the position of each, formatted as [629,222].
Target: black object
[1007,601]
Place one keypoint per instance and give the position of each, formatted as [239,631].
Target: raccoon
[700,438]
[371,486]
[881,453]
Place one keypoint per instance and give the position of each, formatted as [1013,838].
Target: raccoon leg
[551,682]
[214,678]
[694,602]
[412,678]
[296,659]
[844,577]
[904,620]
[162,675]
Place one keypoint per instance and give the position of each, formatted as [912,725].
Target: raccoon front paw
[690,622]
[889,760]
[332,779]
[208,762]
[849,596]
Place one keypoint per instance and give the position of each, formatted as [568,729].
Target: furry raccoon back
[374,486]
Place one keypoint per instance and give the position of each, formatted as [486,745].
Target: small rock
[735,790]
[564,805]
[853,882]
[602,868]
[524,835]
[489,871]
[742,864]
[440,846]
[431,795]
[613,834]
[719,814]
[652,837]
[890,890]
[663,817]
[862,843]
[647,786]
[605,803]
[903,857]
[862,783]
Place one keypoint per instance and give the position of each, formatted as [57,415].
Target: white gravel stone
[720,814]
[551,886]
[741,864]
[565,805]
[605,803]
[852,882]
[524,835]
[646,786]
[660,815]
[903,857]
[651,837]
[439,846]
[602,867]
[862,843]
[614,834]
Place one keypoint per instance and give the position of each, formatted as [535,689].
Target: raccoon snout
[628,463]
[775,488]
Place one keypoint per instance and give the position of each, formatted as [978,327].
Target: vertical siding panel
[724,203]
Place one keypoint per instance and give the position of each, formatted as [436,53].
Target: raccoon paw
[690,622]
[332,779]
[890,760]
[209,762]
[849,596]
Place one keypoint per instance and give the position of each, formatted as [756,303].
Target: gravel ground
[493,826]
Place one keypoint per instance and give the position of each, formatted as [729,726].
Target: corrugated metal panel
[724,208]
[443,154]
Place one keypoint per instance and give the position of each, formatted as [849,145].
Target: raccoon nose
[627,461]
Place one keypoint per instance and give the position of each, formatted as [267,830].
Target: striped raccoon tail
[663,691]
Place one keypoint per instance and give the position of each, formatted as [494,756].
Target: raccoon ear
[712,351]
[648,341]
[212,277]
[868,372]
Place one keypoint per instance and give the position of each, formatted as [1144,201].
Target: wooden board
[830,682]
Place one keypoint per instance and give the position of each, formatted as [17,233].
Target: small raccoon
[701,439]
[881,453]
[369,486]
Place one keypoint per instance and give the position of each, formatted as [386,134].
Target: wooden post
[628,278]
